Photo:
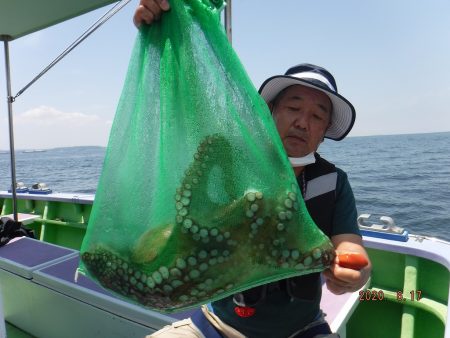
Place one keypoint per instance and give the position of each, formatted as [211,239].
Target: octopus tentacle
[211,246]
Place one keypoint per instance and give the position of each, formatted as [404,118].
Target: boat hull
[407,295]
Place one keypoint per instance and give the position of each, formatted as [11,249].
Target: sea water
[406,177]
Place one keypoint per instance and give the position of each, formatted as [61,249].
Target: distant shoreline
[26,150]
[48,149]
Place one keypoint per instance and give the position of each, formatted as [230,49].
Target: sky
[391,59]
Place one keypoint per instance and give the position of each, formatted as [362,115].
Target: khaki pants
[186,328]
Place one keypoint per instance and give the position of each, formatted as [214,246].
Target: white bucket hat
[343,113]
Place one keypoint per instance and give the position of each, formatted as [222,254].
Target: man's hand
[149,11]
[341,280]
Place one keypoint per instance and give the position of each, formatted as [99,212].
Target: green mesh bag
[197,199]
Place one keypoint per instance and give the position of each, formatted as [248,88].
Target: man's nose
[301,121]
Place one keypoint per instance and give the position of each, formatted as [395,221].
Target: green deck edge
[403,318]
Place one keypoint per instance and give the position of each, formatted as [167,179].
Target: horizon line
[3,151]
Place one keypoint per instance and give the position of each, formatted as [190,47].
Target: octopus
[213,248]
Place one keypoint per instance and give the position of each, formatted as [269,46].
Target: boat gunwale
[430,248]
[53,197]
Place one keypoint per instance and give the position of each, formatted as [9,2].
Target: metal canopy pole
[105,17]
[11,129]
[11,99]
[227,20]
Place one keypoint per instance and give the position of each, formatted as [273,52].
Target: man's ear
[270,105]
[323,137]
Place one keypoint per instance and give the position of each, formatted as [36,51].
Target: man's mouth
[297,138]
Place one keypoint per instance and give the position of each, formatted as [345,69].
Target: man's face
[302,116]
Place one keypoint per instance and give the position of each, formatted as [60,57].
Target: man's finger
[149,11]
[153,7]
[164,5]
[141,15]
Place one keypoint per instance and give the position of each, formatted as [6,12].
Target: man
[306,108]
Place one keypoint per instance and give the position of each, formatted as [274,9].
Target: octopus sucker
[288,203]
[251,196]
[192,261]
[176,283]
[203,232]
[316,253]
[164,272]
[288,214]
[187,223]
[307,261]
[280,227]
[181,263]
[295,254]
[175,272]
[212,246]
[157,277]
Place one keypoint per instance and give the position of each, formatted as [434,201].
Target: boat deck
[38,287]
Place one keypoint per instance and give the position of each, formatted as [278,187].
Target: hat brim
[343,114]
